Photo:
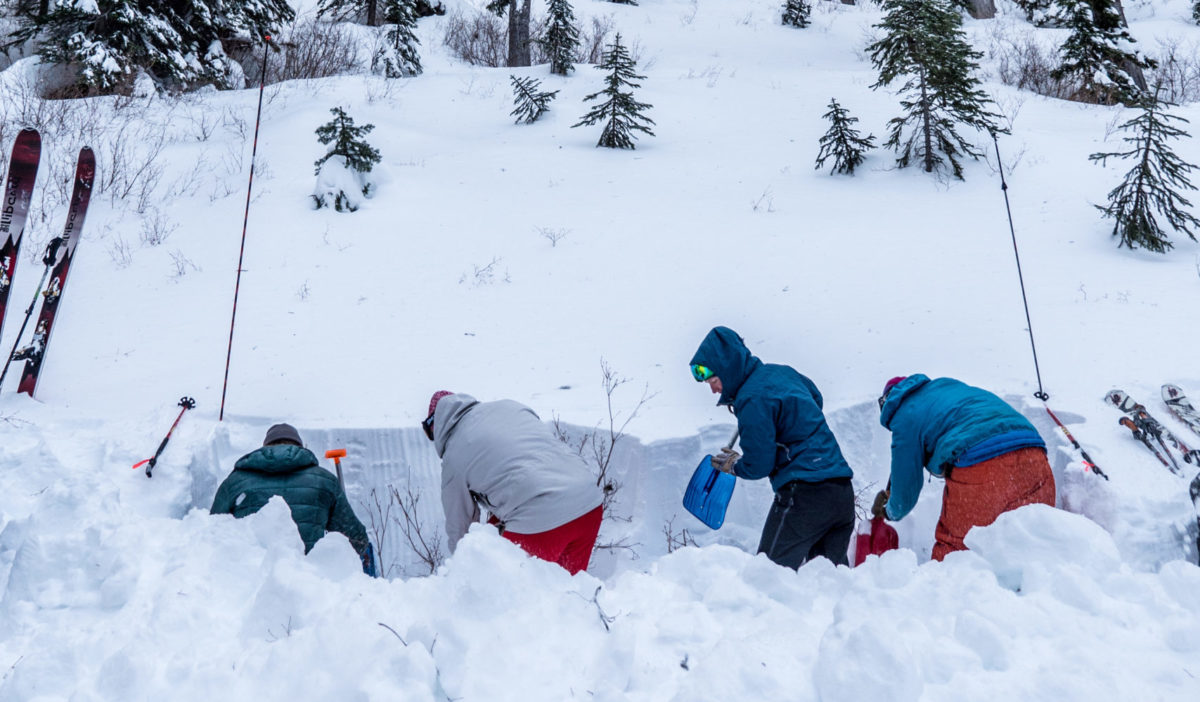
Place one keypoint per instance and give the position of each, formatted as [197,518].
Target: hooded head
[724,352]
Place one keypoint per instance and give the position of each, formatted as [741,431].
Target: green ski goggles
[701,373]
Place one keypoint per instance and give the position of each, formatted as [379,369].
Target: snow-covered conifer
[621,114]
[109,42]
[341,172]
[561,40]
[1097,56]
[924,44]
[530,102]
[796,13]
[842,142]
[398,56]
[1155,182]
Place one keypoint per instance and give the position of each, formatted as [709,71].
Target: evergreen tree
[176,42]
[795,13]
[1196,10]
[1153,184]
[530,102]
[621,114]
[1097,56]
[398,57]
[842,142]
[341,171]
[925,45]
[562,37]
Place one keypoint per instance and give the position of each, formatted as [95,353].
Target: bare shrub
[677,539]
[597,446]
[480,38]
[1177,74]
[156,228]
[553,235]
[1025,64]
[311,49]
[399,509]
[181,264]
[119,253]
[592,40]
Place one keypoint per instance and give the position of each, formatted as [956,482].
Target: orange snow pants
[975,495]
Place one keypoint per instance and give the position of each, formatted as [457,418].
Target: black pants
[809,520]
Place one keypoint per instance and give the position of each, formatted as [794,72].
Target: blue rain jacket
[784,435]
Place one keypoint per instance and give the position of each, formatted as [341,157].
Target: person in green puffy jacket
[285,468]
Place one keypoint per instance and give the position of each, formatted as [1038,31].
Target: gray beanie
[282,432]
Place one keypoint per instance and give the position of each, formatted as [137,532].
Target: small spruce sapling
[561,40]
[796,13]
[842,142]
[341,172]
[398,57]
[530,102]
[1153,184]
[621,114]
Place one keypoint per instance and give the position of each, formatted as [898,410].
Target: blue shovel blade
[708,494]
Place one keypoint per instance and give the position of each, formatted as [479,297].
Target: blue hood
[726,354]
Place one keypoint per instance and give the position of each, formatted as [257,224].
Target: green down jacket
[317,501]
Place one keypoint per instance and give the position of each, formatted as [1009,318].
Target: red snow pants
[975,495]
[569,545]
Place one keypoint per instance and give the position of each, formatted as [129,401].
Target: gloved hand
[725,459]
[879,508]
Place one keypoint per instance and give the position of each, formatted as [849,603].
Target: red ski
[18,191]
[35,353]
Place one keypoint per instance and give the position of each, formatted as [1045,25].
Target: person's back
[284,468]
[503,456]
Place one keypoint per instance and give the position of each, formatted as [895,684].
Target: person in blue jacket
[784,437]
[990,455]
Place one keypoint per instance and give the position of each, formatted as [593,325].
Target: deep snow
[118,587]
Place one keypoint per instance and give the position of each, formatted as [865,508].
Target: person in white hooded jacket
[501,457]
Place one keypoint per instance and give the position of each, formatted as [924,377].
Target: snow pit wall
[647,519]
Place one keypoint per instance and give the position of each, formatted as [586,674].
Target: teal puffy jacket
[784,435]
[317,501]
[941,423]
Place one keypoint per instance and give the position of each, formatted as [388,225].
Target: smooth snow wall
[652,477]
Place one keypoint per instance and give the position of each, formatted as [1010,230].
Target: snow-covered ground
[517,261]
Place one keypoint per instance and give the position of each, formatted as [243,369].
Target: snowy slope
[117,587]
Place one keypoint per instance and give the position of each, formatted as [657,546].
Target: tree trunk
[372,17]
[518,33]
[981,9]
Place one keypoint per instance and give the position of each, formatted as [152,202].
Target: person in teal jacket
[784,438]
[285,468]
[990,455]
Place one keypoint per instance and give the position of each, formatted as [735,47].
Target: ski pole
[237,285]
[337,455]
[48,258]
[186,403]
[1087,460]
[1141,436]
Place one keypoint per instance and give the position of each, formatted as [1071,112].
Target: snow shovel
[369,559]
[881,539]
[708,492]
